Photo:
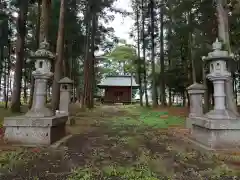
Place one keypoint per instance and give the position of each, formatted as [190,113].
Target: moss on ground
[124,143]
[17,156]
[133,146]
[148,118]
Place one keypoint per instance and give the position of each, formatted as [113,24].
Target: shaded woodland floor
[121,143]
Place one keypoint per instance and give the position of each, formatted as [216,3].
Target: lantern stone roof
[196,86]
[118,81]
[43,51]
[65,80]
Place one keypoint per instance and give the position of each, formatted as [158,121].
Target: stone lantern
[41,75]
[39,126]
[220,127]
[65,94]
[219,74]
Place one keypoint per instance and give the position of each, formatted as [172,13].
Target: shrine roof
[120,80]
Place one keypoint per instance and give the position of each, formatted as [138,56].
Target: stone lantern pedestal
[39,126]
[65,98]
[195,92]
[220,127]
[65,94]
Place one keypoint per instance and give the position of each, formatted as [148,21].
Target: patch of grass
[132,141]
[219,171]
[133,109]
[125,121]
[10,159]
[114,172]
[160,119]
[148,118]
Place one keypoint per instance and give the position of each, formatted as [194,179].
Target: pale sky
[122,25]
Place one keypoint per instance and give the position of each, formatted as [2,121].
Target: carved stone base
[34,131]
[188,123]
[221,115]
[40,112]
[216,134]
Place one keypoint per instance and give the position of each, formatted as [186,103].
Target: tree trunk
[162,72]
[169,97]
[1,66]
[25,83]
[206,97]
[21,32]
[8,80]
[183,99]
[45,17]
[8,65]
[93,61]
[37,35]
[190,48]
[223,27]
[139,58]
[144,55]
[169,57]
[230,104]
[85,95]
[154,85]
[59,59]
[25,88]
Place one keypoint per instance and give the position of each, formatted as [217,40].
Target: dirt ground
[102,150]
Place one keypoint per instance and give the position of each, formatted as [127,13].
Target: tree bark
[45,17]
[206,96]
[37,35]
[59,59]
[93,60]
[162,72]
[144,55]
[85,95]
[8,65]
[190,48]
[139,59]
[154,85]
[21,32]
[223,34]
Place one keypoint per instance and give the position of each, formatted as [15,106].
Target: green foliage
[75,34]
[150,118]
[111,172]
[123,53]
[10,159]
[182,18]
[126,55]
[154,119]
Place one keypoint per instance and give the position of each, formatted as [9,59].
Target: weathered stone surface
[65,80]
[216,135]
[43,51]
[65,94]
[219,128]
[39,126]
[196,86]
[64,102]
[195,92]
[188,123]
[41,75]
[34,131]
